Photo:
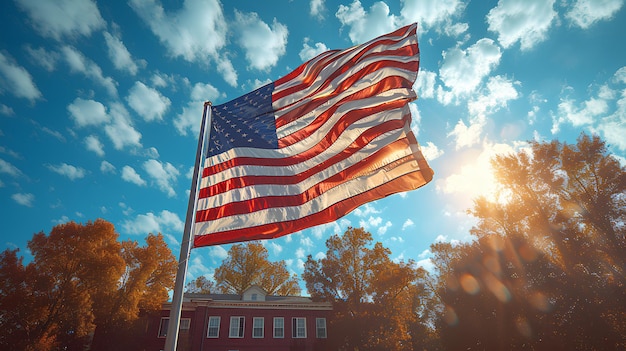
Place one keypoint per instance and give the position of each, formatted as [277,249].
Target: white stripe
[348,54]
[345,139]
[262,190]
[365,82]
[304,144]
[331,68]
[328,199]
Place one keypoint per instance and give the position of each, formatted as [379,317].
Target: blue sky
[100,104]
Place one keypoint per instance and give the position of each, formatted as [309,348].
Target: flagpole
[171,340]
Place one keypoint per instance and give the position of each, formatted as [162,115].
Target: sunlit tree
[200,285]
[376,301]
[82,289]
[248,264]
[547,268]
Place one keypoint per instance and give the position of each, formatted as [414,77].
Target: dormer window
[254,297]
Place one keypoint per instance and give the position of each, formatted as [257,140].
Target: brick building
[252,321]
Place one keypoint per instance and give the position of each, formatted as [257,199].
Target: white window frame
[208,330]
[295,328]
[320,328]
[280,327]
[240,327]
[185,324]
[256,327]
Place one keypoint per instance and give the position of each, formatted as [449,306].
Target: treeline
[545,271]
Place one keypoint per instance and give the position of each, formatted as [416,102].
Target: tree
[200,285]
[247,265]
[143,287]
[82,288]
[547,269]
[376,300]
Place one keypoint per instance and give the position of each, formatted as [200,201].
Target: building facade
[252,321]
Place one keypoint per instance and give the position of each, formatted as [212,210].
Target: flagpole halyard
[171,340]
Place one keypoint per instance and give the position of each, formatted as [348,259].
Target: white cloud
[276,248]
[308,52]
[263,44]
[16,80]
[498,92]
[120,130]
[527,22]
[189,119]
[430,151]
[425,84]
[24,199]
[119,54]
[365,210]
[408,224]
[430,13]
[465,135]
[383,229]
[6,110]
[67,170]
[164,222]
[306,241]
[300,253]
[41,57]
[366,25]
[585,13]
[80,64]
[463,70]
[195,31]
[317,9]
[150,104]
[130,175]
[225,66]
[164,174]
[93,144]
[88,112]
[8,168]
[59,19]
[107,167]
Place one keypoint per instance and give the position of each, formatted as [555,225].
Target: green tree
[547,268]
[248,264]
[376,300]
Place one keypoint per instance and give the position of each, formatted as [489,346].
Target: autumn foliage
[83,288]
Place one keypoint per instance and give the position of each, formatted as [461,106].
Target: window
[254,297]
[165,322]
[236,327]
[299,327]
[257,327]
[279,327]
[320,328]
[214,327]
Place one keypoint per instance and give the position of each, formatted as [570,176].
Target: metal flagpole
[185,247]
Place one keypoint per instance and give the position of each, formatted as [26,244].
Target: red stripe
[375,42]
[356,170]
[240,182]
[386,84]
[338,128]
[407,182]
[312,62]
[406,51]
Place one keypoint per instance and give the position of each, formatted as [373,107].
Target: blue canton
[247,121]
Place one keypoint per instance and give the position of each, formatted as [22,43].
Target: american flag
[314,145]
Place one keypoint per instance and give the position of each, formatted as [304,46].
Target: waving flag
[313,145]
